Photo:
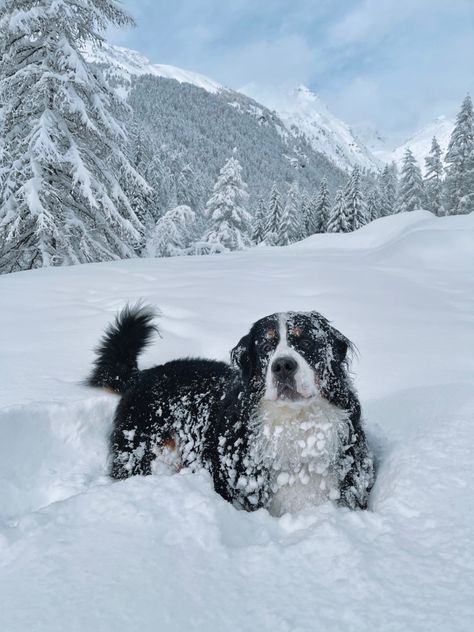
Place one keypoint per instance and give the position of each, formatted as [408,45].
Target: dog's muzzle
[283,371]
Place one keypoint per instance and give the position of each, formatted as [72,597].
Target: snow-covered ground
[165,553]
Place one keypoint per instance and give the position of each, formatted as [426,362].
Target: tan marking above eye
[270,334]
[170,444]
[297,331]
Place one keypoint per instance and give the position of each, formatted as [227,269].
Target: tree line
[287,217]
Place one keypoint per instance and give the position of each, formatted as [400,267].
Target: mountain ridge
[302,112]
[420,142]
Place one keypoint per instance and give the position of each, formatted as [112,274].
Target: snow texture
[163,552]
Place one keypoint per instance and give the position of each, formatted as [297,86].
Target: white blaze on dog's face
[289,377]
[292,357]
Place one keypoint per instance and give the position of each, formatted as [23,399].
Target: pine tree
[62,201]
[172,193]
[338,221]
[275,212]
[305,215]
[259,222]
[139,193]
[388,190]
[355,203]
[173,233]
[320,209]
[412,194]
[229,222]
[460,163]
[434,179]
[185,184]
[290,226]
[373,204]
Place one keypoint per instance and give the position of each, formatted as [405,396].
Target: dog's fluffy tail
[115,367]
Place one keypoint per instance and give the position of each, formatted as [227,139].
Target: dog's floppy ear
[240,357]
[333,372]
[339,344]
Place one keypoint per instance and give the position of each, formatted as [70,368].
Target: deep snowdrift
[78,553]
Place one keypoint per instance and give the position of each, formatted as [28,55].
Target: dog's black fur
[209,410]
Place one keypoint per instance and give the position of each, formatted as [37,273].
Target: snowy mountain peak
[420,142]
[306,93]
[127,63]
[301,111]
[371,137]
[306,114]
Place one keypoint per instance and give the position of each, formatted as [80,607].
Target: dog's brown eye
[305,344]
[267,347]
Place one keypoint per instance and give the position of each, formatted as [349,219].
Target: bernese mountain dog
[278,427]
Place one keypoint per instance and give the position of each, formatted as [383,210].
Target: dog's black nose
[284,367]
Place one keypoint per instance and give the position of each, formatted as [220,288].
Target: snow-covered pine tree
[275,212]
[412,194]
[62,201]
[158,176]
[434,179]
[290,226]
[459,181]
[356,207]
[173,233]
[172,190]
[142,198]
[305,214]
[229,222]
[338,221]
[373,204]
[320,209]
[388,190]
[259,222]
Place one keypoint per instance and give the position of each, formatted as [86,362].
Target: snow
[127,63]
[420,143]
[370,136]
[304,113]
[78,552]
[301,111]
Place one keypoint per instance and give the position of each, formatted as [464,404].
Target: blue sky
[396,64]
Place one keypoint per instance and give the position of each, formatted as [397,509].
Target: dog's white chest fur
[300,443]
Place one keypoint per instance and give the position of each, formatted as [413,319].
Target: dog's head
[293,357]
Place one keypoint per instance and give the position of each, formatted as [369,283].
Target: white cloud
[287,60]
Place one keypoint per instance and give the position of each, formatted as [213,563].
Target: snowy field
[165,553]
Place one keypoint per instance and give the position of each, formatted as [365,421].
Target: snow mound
[396,228]
[78,552]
